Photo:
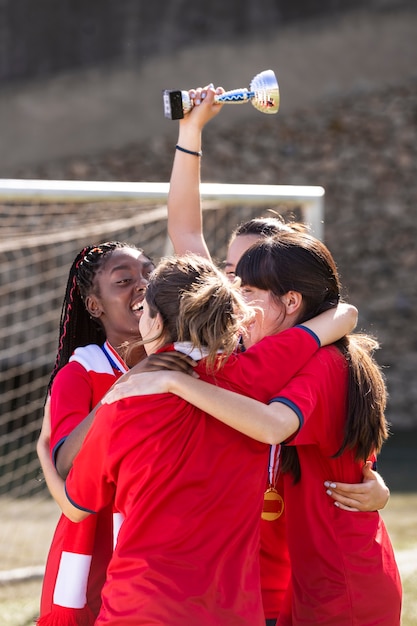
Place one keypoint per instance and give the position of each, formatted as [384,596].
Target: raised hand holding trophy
[263,93]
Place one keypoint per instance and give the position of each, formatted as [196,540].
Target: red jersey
[343,566]
[79,554]
[191,490]
[78,388]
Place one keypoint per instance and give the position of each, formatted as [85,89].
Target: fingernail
[211,86]
[327,484]
[336,504]
[329,493]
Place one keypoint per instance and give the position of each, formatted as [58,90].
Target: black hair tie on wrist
[193,152]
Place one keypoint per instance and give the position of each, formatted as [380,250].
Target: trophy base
[176,103]
[173,108]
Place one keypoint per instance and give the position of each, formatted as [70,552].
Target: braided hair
[77,328]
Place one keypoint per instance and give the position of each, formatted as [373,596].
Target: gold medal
[273,506]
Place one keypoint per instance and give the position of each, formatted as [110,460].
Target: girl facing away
[189,487]
[330,417]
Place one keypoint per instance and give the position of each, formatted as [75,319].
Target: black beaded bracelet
[193,152]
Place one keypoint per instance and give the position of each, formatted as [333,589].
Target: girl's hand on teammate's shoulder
[152,375]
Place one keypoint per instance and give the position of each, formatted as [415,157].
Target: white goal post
[44,223]
[310,198]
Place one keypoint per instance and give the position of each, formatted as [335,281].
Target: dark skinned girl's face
[119,290]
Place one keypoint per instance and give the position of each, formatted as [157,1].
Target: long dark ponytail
[302,263]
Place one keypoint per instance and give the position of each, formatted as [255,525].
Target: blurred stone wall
[74,104]
[46,37]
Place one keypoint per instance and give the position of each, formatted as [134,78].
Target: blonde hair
[197,303]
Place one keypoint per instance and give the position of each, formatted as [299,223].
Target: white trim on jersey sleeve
[92,358]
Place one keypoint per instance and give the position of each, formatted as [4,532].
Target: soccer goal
[44,225]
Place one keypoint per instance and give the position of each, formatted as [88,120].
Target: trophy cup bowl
[263,93]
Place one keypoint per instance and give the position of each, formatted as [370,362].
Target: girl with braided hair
[99,322]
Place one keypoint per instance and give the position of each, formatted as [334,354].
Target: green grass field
[400,517]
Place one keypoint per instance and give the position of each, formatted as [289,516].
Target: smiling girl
[99,320]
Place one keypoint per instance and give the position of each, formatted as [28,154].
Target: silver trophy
[263,93]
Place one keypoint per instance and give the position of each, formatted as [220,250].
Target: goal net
[38,246]
[39,241]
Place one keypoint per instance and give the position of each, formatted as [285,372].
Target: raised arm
[184,202]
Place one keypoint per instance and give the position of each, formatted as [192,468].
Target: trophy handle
[235,96]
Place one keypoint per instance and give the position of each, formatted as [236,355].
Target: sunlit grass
[409,613]
[400,517]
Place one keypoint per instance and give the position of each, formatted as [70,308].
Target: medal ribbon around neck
[273,506]
[114,359]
